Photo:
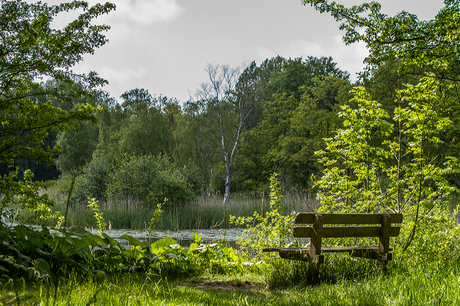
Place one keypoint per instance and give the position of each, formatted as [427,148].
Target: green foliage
[24,195]
[99,216]
[146,128]
[374,164]
[353,161]
[194,147]
[436,243]
[150,179]
[267,231]
[425,287]
[95,180]
[200,213]
[276,195]
[401,158]
[32,48]
[222,107]
[299,73]
[215,257]
[43,254]
[295,119]
[337,267]
[431,45]
[156,216]
[77,147]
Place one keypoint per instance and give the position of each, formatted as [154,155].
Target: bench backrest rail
[328,218]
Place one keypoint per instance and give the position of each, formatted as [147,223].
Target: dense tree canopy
[29,49]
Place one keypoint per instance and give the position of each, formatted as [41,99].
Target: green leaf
[159,246]
[135,242]
[42,266]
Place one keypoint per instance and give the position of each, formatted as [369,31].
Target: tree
[77,147]
[193,144]
[424,109]
[298,73]
[30,49]
[147,124]
[295,119]
[395,172]
[422,47]
[226,104]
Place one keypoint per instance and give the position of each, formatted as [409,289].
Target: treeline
[246,123]
[236,130]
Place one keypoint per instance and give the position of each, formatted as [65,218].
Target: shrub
[271,230]
[150,179]
[94,181]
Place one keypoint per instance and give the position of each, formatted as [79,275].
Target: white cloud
[349,58]
[265,53]
[145,12]
[121,79]
[131,12]
[118,76]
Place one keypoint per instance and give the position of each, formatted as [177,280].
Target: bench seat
[354,251]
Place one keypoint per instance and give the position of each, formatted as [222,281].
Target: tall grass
[396,288]
[200,213]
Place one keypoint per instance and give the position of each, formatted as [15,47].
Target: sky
[164,46]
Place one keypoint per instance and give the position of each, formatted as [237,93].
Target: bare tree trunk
[230,108]
[228,181]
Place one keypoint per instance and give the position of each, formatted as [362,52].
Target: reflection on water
[183,237]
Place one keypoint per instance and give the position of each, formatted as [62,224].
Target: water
[183,237]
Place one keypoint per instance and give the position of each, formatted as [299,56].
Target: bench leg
[313,271]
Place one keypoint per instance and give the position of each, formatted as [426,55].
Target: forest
[243,125]
[244,145]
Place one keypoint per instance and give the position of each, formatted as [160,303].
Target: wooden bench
[341,226]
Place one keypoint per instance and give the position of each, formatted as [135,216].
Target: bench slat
[325,249]
[345,231]
[307,218]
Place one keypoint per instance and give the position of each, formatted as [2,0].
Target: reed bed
[201,213]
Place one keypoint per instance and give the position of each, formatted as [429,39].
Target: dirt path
[224,285]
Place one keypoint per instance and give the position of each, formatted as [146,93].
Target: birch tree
[222,106]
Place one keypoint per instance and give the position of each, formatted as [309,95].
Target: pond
[183,237]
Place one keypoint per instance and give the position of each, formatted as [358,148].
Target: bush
[149,179]
[437,240]
[271,230]
[94,181]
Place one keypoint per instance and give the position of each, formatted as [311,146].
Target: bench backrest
[342,225]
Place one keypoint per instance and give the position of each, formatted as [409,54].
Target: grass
[431,286]
[201,213]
